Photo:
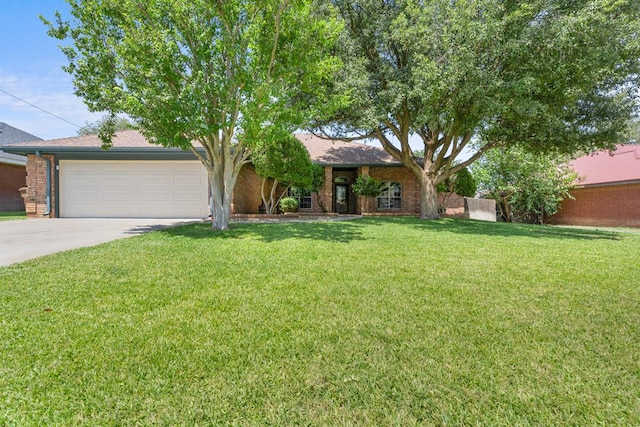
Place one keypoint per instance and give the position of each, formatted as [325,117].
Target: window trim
[299,198]
[387,201]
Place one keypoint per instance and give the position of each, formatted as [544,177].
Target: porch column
[363,202]
[327,193]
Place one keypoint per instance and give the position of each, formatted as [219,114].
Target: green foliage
[233,77]
[108,125]
[462,184]
[283,165]
[12,216]
[289,204]
[318,177]
[549,75]
[633,136]
[287,162]
[526,186]
[366,186]
[317,183]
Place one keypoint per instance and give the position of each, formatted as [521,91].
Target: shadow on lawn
[348,231]
[500,229]
[341,232]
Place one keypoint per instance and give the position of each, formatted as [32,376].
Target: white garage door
[133,189]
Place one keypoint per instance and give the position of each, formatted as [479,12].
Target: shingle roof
[122,139]
[11,135]
[8,136]
[603,167]
[322,151]
[340,153]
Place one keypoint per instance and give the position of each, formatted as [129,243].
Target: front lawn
[379,321]
[10,216]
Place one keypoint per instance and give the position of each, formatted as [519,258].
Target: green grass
[380,321]
[10,216]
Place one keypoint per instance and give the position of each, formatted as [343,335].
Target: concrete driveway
[22,240]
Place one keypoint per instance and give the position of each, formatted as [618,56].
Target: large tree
[463,77]
[222,78]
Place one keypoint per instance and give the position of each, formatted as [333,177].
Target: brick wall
[12,177]
[612,206]
[326,193]
[36,197]
[410,189]
[247,198]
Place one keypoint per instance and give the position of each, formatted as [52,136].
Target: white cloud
[53,93]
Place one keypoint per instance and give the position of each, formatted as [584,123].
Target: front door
[341,198]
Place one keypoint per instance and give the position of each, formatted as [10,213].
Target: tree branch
[276,36]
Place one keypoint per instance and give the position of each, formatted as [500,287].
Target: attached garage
[132,189]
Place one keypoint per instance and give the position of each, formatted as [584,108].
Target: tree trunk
[428,198]
[220,204]
[320,202]
[271,201]
[222,181]
[268,198]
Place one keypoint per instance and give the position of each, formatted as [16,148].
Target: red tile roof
[603,167]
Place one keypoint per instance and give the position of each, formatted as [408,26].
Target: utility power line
[41,109]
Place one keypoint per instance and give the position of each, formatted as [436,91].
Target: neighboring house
[609,192]
[12,169]
[74,177]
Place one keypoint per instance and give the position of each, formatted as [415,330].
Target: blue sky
[31,68]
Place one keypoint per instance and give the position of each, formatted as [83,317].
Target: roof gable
[604,167]
[8,136]
[11,135]
[331,152]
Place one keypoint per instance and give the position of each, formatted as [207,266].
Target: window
[390,196]
[302,195]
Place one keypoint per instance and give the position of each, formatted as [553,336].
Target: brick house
[12,169]
[74,177]
[609,192]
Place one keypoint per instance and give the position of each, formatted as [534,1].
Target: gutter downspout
[48,182]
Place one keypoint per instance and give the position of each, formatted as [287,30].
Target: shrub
[366,186]
[289,204]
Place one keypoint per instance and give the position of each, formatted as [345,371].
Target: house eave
[13,162]
[55,150]
[608,184]
[114,153]
[358,165]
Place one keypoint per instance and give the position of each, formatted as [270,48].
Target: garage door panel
[156,182]
[187,182]
[133,189]
[79,196]
[119,197]
[117,181]
[183,197]
[148,196]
